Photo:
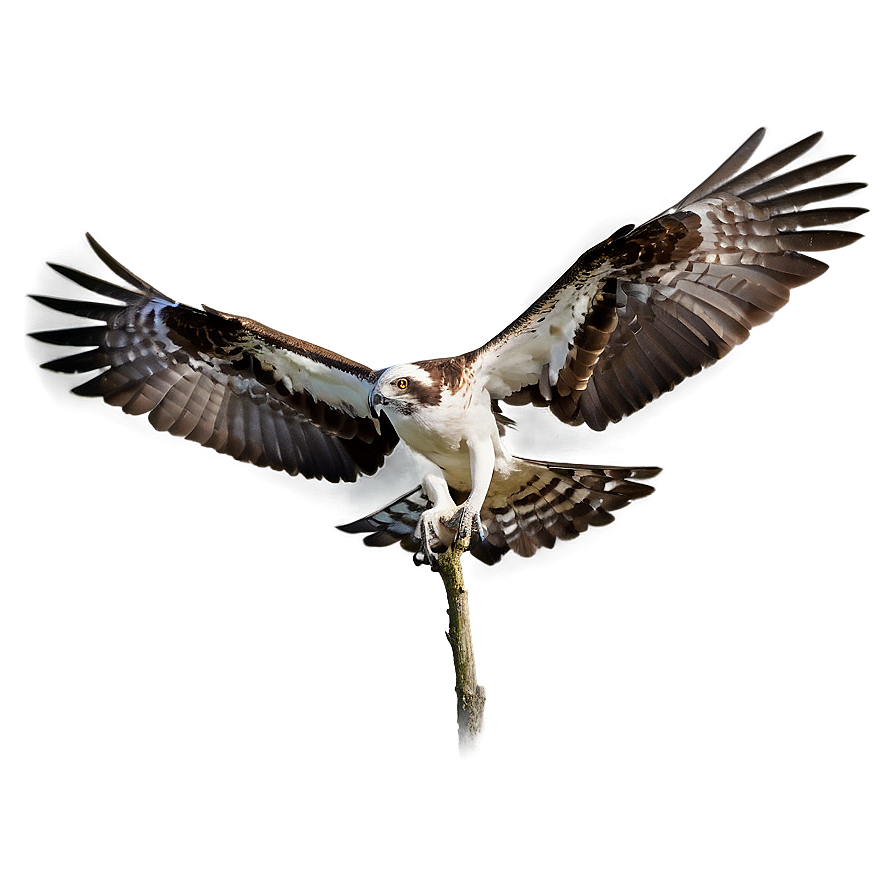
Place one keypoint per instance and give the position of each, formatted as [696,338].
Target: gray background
[207,689]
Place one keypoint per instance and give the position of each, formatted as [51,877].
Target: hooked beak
[373,400]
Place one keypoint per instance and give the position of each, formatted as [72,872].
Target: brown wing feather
[652,305]
[226,382]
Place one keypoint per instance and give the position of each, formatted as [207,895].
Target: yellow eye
[401,383]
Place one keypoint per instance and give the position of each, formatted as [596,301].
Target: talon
[466,523]
[435,529]
[428,534]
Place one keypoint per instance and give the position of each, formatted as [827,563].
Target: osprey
[632,318]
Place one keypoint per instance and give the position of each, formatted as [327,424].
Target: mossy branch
[470,696]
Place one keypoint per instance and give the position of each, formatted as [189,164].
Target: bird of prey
[633,317]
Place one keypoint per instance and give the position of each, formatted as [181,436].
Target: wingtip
[757,136]
[812,140]
[726,171]
[41,335]
[749,146]
[94,244]
[357,527]
[119,269]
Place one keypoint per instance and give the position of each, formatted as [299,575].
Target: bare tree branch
[470,696]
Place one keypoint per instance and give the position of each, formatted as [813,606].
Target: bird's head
[404,389]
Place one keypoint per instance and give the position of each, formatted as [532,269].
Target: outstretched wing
[654,304]
[224,381]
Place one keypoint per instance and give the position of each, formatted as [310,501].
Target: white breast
[443,432]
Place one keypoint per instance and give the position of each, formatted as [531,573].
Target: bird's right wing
[224,381]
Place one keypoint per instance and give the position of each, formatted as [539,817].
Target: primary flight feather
[633,317]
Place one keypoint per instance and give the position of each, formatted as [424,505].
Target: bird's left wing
[224,381]
[654,304]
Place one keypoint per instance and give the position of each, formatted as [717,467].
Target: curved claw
[431,530]
[466,523]
[425,557]
[427,534]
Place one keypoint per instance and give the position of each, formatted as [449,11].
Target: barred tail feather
[529,507]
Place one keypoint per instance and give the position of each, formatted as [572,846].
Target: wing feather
[674,295]
[224,381]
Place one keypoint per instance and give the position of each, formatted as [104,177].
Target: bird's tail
[528,507]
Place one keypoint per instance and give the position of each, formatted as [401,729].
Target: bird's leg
[466,520]
[431,529]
